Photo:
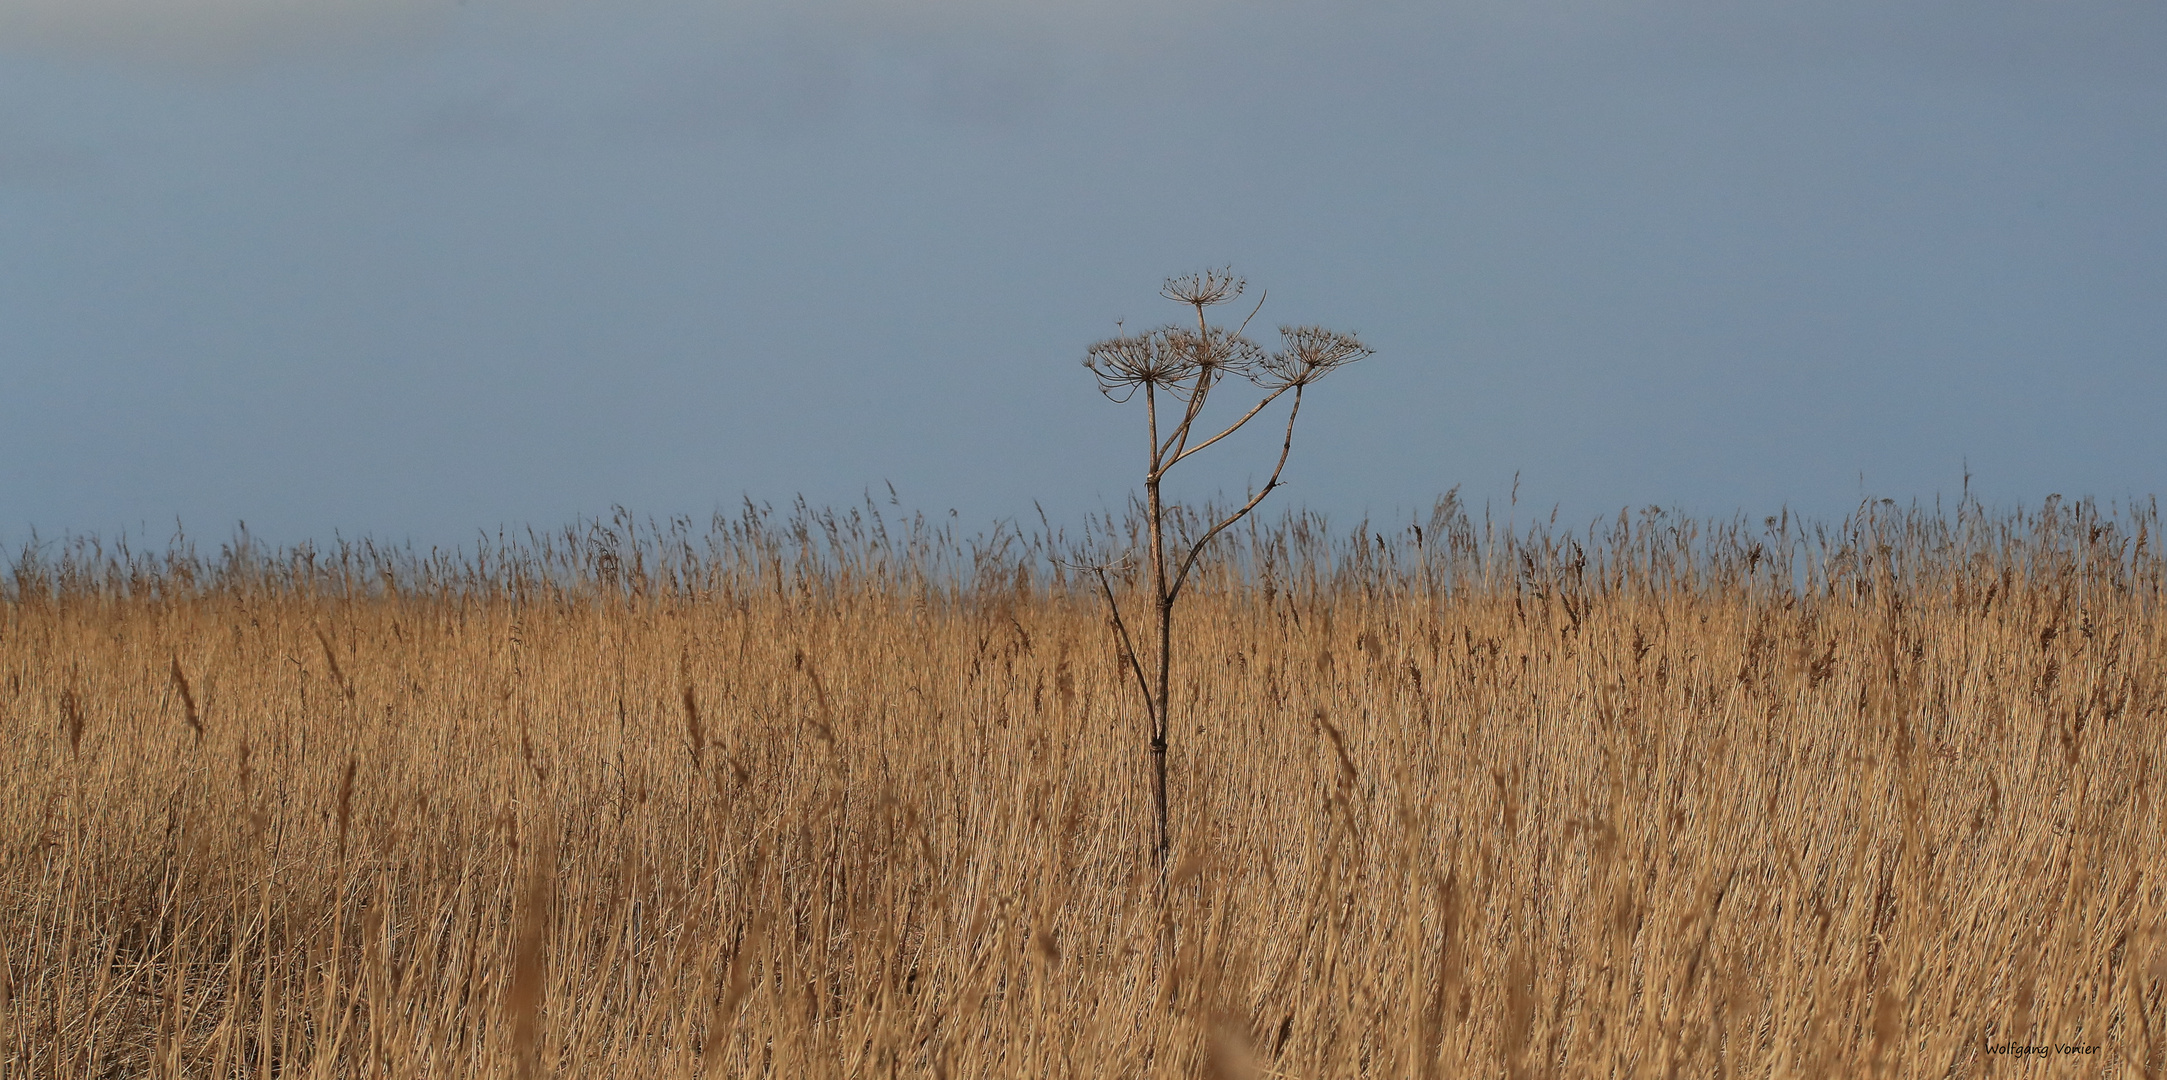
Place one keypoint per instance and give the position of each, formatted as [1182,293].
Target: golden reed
[824,794]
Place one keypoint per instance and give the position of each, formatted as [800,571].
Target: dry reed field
[822,795]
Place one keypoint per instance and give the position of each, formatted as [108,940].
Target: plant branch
[1176,438]
[1232,428]
[1179,440]
[1195,552]
[1128,648]
[1180,437]
[1244,328]
[1197,394]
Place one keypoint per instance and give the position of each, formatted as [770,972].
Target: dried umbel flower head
[1309,354]
[1219,351]
[1204,289]
[1151,359]
[1170,358]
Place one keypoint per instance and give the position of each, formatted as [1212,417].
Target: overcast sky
[415,268]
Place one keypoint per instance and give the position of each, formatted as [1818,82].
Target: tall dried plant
[1185,365]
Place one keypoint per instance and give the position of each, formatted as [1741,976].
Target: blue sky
[417,268]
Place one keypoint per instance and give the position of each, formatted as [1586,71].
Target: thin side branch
[1244,328]
[1232,428]
[1214,358]
[1128,648]
[1189,563]
[1180,435]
